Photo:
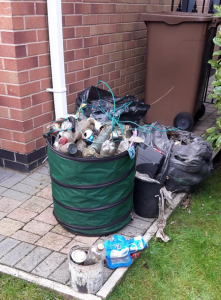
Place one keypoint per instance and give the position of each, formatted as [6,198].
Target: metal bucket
[85,279]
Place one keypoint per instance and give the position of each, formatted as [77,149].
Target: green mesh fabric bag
[92,196]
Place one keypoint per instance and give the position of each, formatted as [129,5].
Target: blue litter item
[117,252]
[137,244]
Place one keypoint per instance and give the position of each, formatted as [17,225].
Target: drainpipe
[57,57]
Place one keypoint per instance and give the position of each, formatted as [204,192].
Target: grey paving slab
[131,231]
[61,274]
[50,264]
[150,220]
[5,174]
[2,214]
[140,224]
[2,189]
[36,204]
[26,189]
[7,245]
[43,170]
[12,180]
[15,255]
[41,177]
[16,195]
[35,183]
[33,259]
[7,205]
[2,237]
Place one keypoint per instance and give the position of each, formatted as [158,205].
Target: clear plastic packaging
[107,149]
[117,252]
[137,244]
[124,146]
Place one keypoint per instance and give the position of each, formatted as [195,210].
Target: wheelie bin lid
[173,18]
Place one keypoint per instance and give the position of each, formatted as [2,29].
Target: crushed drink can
[88,136]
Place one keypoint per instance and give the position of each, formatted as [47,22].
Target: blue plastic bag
[117,252]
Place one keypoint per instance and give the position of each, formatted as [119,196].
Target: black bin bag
[98,100]
[189,157]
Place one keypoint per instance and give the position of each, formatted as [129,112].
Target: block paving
[31,239]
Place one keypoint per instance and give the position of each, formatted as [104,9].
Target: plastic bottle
[81,144]
[96,253]
[67,137]
[81,126]
[102,137]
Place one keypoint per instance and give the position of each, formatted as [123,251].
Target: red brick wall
[24,74]
[103,40]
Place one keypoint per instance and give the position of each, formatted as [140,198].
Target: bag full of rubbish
[188,158]
[117,252]
[99,100]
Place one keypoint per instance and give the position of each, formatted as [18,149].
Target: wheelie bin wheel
[200,112]
[184,121]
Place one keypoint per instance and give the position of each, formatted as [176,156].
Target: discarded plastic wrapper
[107,149]
[124,146]
[117,252]
[137,244]
[145,177]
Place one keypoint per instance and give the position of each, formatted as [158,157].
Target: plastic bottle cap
[63,140]
[100,247]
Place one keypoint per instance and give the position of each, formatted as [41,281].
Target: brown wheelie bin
[179,46]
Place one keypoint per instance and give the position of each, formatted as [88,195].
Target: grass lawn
[12,288]
[188,267]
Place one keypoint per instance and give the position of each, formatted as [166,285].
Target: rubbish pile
[98,129]
[181,159]
[94,191]
[86,137]
[86,264]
